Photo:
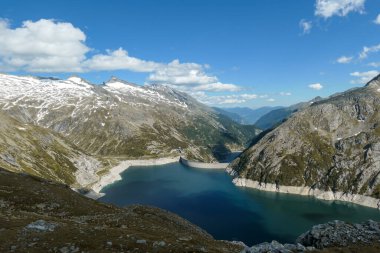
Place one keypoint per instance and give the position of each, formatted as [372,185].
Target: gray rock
[339,233]
[159,244]
[41,226]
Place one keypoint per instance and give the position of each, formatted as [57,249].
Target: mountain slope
[120,118]
[332,145]
[41,152]
[245,115]
[277,116]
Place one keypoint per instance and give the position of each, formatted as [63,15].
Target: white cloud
[224,99]
[248,96]
[329,8]
[42,46]
[119,60]
[177,73]
[271,99]
[367,50]
[377,20]
[374,64]
[364,77]
[218,86]
[51,46]
[191,75]
[285,93]
[316,86]
[344,59]
[305,26]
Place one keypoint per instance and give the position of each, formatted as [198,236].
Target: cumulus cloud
[368,50]
[377,20]
[364,77]
[305,26]
[177,73]
[316,86]
[118,60]
[374,64]
[51,46]
[344,59]
[218,86]
[42,46]
[329,8]
[285,93]
[271,99]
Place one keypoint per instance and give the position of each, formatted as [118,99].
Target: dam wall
[200,165]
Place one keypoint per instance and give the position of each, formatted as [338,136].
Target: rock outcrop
[341,234]
[334,235]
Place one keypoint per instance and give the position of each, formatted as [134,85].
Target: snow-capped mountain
[120,119]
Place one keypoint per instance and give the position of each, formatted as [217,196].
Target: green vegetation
[376,191]
[291,171]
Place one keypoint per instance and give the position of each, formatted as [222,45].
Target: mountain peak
[116,82]
[375,82]
[77,79]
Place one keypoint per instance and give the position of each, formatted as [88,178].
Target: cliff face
[331,145]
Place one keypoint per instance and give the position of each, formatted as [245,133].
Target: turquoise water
[209,199]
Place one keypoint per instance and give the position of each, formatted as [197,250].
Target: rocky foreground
[335,236]
[37,215]
[42,216]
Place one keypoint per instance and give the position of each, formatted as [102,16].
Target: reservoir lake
[209,199]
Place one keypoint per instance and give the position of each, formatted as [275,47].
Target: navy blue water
[209,199]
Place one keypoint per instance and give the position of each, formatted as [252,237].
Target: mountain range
[73,131]
[246,115]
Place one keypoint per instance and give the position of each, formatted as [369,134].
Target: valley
[198,126]
[120,143]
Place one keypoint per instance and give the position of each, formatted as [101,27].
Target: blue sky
[224,52]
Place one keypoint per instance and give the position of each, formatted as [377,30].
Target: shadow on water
[223,154]
[215,212]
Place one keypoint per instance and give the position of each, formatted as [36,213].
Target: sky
[225,53]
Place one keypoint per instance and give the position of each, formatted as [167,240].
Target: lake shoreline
[307,191]
[113,174]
